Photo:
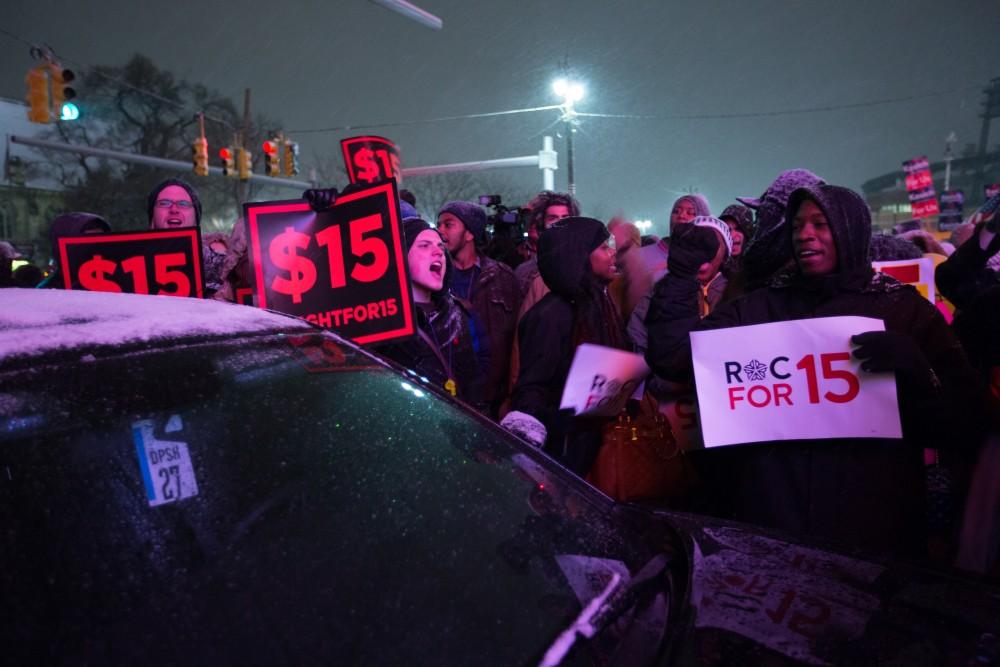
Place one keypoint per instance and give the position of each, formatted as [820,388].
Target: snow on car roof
[36,321]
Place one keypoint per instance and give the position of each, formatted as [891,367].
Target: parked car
[191,482]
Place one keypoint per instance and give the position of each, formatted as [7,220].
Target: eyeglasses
[180,203]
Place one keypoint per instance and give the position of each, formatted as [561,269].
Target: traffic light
[271,158]
[290,158]
[244,162]
[199,156]
[61,92]
[38,95]
[228,164]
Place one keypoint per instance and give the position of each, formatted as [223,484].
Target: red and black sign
[920,188]
[166,262]
[343,268]
[371,159]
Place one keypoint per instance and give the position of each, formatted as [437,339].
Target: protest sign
[920,188]
[680,406]
[952,205]
[343,268]
[370,159]
[164,262]
[794,380]
[916,272]
[601,379]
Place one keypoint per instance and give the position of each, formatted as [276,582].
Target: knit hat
[154,194]
[75,223]
[472,216]
[412,228]
[407,210]
[719,226]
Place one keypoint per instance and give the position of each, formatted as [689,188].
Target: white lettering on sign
[165,465]
[794,380]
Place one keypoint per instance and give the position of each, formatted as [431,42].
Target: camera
[504,220]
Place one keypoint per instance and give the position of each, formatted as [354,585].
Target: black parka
[864,492]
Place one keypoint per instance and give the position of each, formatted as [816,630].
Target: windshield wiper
[606,608]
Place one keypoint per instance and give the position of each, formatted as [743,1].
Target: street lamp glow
[560,87]
[643,225]
[575,92]
[570,91]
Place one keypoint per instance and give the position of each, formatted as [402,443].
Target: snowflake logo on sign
[755,371]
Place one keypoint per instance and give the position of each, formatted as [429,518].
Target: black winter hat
[564,253]
[154,194]
[472,216]
[75,223]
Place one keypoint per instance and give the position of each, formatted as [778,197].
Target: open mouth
[175,222]
[437,268]
[806,253]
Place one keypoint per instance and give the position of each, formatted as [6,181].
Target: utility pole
[242,187]
[948,157]
[991,110]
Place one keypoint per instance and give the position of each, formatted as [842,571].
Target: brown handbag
[640,458]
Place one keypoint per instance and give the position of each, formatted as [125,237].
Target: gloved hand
[690,247]
[320,199]
[526,426]
[893,351]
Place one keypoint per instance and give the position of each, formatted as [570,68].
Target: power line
[425,120]
[784,112]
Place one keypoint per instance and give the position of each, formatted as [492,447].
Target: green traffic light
[69,112]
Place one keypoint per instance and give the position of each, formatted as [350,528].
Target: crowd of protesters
[499,329]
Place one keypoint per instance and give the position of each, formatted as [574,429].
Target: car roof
[36,322]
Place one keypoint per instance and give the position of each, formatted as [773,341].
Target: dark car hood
[769,599]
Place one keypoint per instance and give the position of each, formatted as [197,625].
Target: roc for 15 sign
[793,380]
[343,268]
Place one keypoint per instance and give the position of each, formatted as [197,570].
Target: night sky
[331,63]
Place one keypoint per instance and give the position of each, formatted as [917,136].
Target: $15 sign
[284,248]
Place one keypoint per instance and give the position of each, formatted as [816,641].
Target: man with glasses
[173,204]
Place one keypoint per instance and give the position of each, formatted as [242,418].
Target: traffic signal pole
[148,160]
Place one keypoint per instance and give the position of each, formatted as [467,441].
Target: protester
[486,287]
[979,545]
[892,247]
[69,224]
[443,349]
[740,221]
[867,493]
[546,209]
[577,263]
[966,273]
[649,264]
[704,232]
[767,250]
[174,204]
[627,240]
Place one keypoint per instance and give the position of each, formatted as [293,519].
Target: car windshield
[286,499]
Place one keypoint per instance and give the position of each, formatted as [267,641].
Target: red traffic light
[270,147]
[225,154]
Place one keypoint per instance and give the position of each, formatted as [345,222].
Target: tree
[139,108]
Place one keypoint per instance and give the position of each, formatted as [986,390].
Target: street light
[643,225]
[571,92]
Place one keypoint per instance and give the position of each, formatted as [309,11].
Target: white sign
[794,380]
[916,272]
[165,465]
[601,379]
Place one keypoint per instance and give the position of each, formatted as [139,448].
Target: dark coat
[865,492]
[576,310]
[964,275]
[496,299]
[446,322]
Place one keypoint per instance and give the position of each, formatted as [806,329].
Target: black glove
[893,351]
[320,199]
[690,247]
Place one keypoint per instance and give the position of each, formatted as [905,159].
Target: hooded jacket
[576,310]
[868,493]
